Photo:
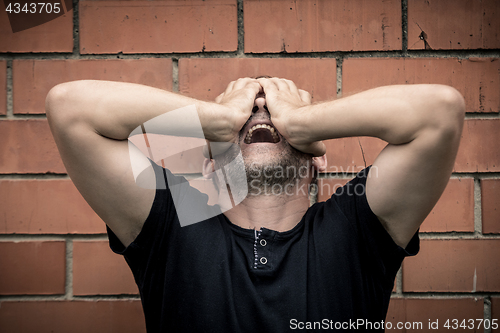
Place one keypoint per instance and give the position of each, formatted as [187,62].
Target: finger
[291,85]
[241,83]
[219,98]
[256,86]
[281,84]
[305,96]
[267,85]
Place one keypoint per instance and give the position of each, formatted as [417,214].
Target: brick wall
[57,273]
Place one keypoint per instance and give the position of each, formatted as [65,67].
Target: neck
[275,212]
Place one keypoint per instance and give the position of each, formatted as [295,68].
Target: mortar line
[487,312]
[478,224]
[175,75]
[76,29]
[455,235]
[29,116]
[10,94]
[69,269]
[460,54]
[448,295]
[31,298]
[404,27]
[15,176]
[340,64]
[175,82]
[399,282]
[454,175]
[86,298]
[240,28]
[479,115]
[118,297]
[51,237]
[479,175]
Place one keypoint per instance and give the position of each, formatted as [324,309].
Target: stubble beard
[267,172]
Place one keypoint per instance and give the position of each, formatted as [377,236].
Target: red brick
[352,154]
[459,265]
[3,87]
[28,147]
[453,24]
[207,78]
[324,25]
[53,36]
[395,313]
[478,151]
[99,271]
[328,186]
[32,79]
[72,316]
[158,26]
[490,205]
[45,207]
[32,268]
[411,311]
[477,79]
[454,210]
[495,310]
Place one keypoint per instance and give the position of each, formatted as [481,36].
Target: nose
[260,104]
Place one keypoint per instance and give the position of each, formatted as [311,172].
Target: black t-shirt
[337,265]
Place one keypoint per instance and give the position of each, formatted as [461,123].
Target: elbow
[451,111]
[55,98]
[59,101]
[453,103]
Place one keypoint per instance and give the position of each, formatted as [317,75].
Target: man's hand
[238,99]
[286,103]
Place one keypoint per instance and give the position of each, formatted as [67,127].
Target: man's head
[271,165]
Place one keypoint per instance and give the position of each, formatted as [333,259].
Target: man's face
[269,160]
[259,141]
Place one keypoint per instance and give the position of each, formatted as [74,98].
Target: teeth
[248,138]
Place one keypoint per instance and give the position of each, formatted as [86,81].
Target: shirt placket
[261,248]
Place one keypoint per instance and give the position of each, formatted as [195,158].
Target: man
[271,263]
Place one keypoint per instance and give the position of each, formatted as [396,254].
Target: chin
[281,155]
[264,153]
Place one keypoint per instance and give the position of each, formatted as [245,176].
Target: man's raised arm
[91,122]
[421,123]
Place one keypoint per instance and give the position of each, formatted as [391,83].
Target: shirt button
[263,260]
[263,242]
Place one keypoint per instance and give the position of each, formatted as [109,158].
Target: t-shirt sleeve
[161,218]
[174,202]
[384,254]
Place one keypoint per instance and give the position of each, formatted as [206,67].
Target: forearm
[115,109]
[396,114]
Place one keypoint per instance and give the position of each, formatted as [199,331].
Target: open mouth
[262,133]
